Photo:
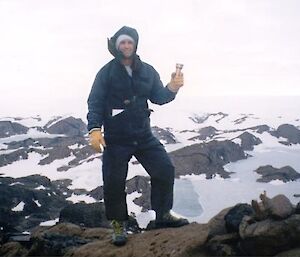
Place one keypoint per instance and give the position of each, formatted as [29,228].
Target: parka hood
[112,41]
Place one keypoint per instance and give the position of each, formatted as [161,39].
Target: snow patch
[49,223]
[19,207]
[81,198]
[37,203]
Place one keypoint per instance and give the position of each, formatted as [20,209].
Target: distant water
[186,201]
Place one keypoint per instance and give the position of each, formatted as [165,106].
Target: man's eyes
[124,42]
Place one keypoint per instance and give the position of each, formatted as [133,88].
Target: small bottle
[179,67]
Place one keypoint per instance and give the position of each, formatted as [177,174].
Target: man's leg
[157,163]
[114,169]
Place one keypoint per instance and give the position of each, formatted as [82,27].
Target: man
[118,101]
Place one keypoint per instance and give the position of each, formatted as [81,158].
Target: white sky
[51,50]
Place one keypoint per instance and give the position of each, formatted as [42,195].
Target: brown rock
[217,224]
[176,242]
[12,249]
[223,245]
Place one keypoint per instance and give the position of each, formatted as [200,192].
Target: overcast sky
[51,50]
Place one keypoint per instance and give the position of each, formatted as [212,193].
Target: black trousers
[153,157]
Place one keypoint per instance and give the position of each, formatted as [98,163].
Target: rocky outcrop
[269,237]
[164,135]
[52,148]
[67,239]
[8,128]
[270,173]
[142,185]
[288,131]
[27,201]
[278,207]
[206,158]
[235,215]
[242,231]
[204,133]
[248,141]
[69,126]
[235,231]
[84,214]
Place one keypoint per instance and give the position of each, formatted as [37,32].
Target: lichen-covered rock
[186,241]
[269,237]
[278,207]
[12,249]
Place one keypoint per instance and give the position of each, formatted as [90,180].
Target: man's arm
[96,102]
[161,94]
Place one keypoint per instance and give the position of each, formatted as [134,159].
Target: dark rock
[206,158]
[85,214]
[288,131]
[28,142]
[235,215]
[97,193]
[248,141]
[290,253]
[261,128]
[269,237]
[39,205]
[57,240]
[8,128]
[204,133]
[12,249]
[244,118]
[54,149]
[297,210]
[223,245]
[140,184]
[9,158]
[69,126]
[164,134]
[270,173]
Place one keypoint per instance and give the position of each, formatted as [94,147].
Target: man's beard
[122,56]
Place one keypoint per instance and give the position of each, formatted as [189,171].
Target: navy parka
[113,88]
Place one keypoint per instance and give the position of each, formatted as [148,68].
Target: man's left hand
[176,82]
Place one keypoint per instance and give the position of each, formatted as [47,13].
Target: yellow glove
[176,82]
[97,141]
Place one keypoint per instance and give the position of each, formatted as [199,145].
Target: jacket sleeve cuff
[172,90]
[94,129]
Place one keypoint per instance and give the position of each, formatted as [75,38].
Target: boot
[168,220]
[119,236]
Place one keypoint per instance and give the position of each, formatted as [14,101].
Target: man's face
[127,48]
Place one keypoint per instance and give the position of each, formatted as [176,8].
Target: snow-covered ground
[195,197]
